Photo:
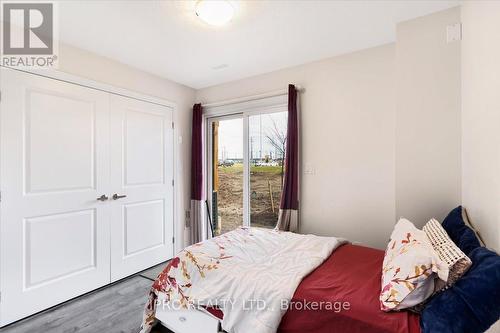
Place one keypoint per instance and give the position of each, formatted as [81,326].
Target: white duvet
[250,273]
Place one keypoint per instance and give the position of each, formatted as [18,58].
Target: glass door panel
[267,138]
[227,174]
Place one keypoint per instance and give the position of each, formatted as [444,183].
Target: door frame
[243,110]
[178,242]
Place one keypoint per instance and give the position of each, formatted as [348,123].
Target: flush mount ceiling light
[214,12]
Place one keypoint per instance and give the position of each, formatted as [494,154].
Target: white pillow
[410,268]
[458,263]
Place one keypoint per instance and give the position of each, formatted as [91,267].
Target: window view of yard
[264,181]
[267,136]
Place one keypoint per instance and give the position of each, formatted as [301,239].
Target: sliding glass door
[245,169]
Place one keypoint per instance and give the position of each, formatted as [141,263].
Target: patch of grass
[235,168]
[238,167]
[266,169]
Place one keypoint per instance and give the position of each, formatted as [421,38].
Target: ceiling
[167,39]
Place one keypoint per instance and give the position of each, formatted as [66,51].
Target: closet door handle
[103,198]
[116,196]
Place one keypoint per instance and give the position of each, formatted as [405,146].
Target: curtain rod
[252,97]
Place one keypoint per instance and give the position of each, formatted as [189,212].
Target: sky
[259,126]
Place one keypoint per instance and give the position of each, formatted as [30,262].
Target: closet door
[141,182]
[54,237]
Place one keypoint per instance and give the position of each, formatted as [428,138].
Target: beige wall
[381,127]
[428,129]
[481,117]
[347,114]
[91,66]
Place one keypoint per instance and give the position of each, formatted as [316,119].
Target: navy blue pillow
[459,232]
[468,241]
[453,224]
[472,304]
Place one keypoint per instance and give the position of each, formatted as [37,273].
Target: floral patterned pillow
[410,269]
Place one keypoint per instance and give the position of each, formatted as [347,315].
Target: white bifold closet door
[54,164]
[141,170]
[63,147]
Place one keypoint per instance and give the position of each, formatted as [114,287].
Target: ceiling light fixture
[215,12]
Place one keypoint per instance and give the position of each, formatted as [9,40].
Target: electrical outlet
[187,218]
[454,32]
[309,169]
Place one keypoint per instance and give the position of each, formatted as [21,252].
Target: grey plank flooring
[153,272]
[113,309]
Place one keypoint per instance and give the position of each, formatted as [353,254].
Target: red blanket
[351,274]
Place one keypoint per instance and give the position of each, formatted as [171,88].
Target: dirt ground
[230,196]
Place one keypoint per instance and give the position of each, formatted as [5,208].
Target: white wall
[428,131]
[91,66]
[347,114]
[481,117]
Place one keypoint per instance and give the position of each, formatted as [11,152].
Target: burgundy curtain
[288,218]
[197,221]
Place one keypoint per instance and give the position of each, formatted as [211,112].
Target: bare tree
[276,136]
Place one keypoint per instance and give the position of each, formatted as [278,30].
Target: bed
[330,285]
[358,285]
[348,279]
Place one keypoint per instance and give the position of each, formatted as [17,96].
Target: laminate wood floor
[112,309]
[153,272]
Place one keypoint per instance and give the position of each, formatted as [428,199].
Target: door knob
[103,198]
[116,196]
